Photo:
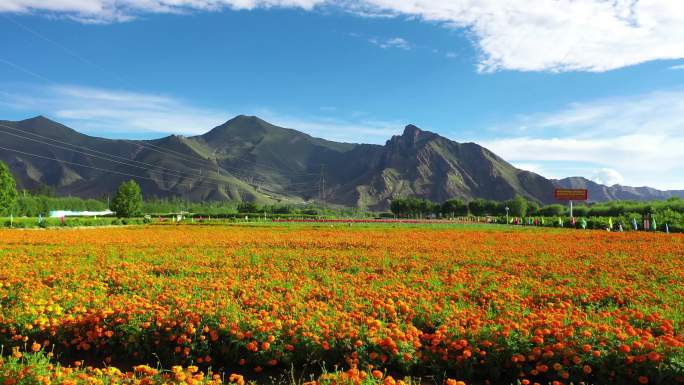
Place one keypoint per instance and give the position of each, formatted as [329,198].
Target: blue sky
[543,85]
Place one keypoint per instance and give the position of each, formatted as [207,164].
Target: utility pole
[321,185]
[571,213]
[218,170]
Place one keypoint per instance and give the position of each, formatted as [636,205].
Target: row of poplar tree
[126,203]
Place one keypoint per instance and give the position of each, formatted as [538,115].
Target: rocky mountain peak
[412,131]
[411,136]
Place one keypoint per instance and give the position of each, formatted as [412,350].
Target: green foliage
[8,189]
[517,206]
[495,208]
[279,209]
[414,207]
[478,207]
[533,208]
[454,207]
[247,207]
[581,211]
[670,212]
[128,200]
[482,207]
[555,210]
[27,223]
[224,209]
[175,205]
[32,205]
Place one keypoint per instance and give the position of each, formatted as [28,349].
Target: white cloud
[106,11]
[677,67]
[608,177]
[123,113]
[115,111]
[396,42]
[640,138]
[532,167]
[362,130]
[524,35]
[559,35]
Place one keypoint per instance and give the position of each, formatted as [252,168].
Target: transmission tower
[321,186]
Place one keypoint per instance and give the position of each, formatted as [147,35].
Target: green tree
[580,211]
[517,206]
[248,208]
[533,208]
[554,210]
[424,207]
[128,200]
[8,189]
[454,207]
[414,207]
[404,207]
[398,207]
[478,207]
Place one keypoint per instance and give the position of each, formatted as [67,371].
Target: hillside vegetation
[250,160]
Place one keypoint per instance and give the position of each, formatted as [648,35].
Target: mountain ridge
[247,158]
[602,193]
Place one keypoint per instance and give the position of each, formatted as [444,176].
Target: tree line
[128,202]
[417,208]
[522,207]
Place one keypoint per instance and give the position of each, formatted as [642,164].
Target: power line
[70,52]
[154,148]
[190,185]
[273,168]
[75,163]
[150,146]
[203,160]
[200,180]
[241,158]
[207,163]
[22,69]
[165,150]
[322,185]
[126,161]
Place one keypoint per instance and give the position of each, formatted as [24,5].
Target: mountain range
[249,159]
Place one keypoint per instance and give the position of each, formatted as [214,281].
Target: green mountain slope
[45,153]
[601,193]
[423,164]
[249,159]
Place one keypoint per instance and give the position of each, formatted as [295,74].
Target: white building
[66,213]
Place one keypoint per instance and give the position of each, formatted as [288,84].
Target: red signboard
[568,194]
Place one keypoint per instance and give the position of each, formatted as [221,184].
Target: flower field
[226,304]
